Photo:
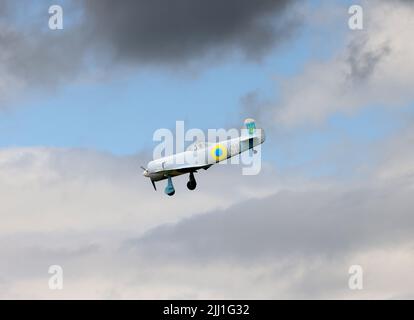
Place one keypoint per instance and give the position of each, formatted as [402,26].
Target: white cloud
[77,207]
[375,68]
[87,212]
[56,189]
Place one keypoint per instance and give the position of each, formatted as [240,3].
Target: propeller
[146,175]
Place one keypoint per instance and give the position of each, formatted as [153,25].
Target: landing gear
[191,184]
[169,189]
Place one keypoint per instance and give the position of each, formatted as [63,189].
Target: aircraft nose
[145,173]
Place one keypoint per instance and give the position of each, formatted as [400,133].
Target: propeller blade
[153,184]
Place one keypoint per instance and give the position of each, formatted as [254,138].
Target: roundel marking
[219,152]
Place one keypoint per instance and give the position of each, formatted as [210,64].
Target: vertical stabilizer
[250,125]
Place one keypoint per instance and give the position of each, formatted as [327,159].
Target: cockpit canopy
[198,145]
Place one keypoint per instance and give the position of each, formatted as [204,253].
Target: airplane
[202,155]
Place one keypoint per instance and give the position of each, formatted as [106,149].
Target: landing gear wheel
[191,185]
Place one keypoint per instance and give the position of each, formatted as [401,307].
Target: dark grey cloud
[252,105]
[160,31]
[256,106]
[409,2]
[33,56]
[330,223]
[100,36]
[362,61]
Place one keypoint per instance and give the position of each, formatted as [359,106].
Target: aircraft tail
[250,125]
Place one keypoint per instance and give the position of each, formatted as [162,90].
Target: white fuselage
[201,157]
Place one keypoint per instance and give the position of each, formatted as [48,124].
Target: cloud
[180,31]
[398,160]
[362,62]
[372,69]
[81,189]
[93,214]
[76,207]
[32,56]
[100,37]
[291,223]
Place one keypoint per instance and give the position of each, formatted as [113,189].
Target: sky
[79,106]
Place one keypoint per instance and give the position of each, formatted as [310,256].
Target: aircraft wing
[185,169]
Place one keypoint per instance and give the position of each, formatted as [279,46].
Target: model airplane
[201,155]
